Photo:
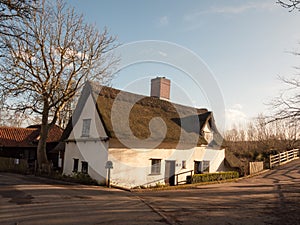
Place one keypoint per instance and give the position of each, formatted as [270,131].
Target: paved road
[27,200]
[270,198]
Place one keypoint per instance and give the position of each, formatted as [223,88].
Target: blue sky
[244,44]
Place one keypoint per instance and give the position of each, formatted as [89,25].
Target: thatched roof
[143,121]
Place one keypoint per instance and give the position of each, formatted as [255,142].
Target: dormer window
[86,124]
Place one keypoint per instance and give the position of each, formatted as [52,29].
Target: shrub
[207,177]
[11,165]
[81,178]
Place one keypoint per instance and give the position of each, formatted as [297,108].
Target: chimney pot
[160,88]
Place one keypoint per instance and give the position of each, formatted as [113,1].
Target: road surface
[270,198]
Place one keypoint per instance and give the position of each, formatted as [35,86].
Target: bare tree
[12,10]
[287,104]
[58,53]
[290,4]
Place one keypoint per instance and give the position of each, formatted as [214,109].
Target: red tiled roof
[54,134]
[26,137]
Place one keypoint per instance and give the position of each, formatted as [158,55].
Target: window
[84,167]
[201,167]
[86,128]
[75,165]
[205,166]
[155,166]
[197,167]
[183,165]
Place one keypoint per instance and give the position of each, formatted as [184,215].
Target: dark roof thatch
[143,121]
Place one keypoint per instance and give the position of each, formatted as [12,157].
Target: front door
[170,173]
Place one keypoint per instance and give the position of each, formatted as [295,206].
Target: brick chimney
[160,88]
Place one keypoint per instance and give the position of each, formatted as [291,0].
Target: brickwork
[160,88]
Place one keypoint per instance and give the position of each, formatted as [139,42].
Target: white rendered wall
[89,149]
[132,167]
[216,158]
[89,112]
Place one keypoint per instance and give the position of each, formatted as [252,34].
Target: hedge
[12,165]
[207,177]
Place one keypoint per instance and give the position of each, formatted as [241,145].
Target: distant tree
[287,104]
[231,135]
[259,138]
[290,4]
[58,53]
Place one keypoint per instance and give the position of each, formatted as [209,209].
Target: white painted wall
[216,158]
[95,153]
[89,112]
[87,149]
[132,167]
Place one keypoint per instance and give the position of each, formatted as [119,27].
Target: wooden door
[170,173]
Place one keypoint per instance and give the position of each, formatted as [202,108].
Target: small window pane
[84,167]
[197,169]
[205,166]
[75,165]
[155,166]
[201,167]
[183,164]
[86,127]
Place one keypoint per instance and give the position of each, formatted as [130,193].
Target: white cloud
[164,54]
[233,9]
[163,21]
[243,8]
[235,116]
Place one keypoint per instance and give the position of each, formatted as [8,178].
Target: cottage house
[146,140]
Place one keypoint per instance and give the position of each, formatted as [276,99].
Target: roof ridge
[17,128]
[98,89]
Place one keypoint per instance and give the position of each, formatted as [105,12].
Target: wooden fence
[284,157]
[255,167]
[183,181]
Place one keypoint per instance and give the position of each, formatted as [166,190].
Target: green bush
[9,165]
[207,177]
[82,178]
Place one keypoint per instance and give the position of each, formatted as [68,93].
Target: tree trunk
[41,148]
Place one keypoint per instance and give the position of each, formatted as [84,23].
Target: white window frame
[86,126]
[155,166]
[204,166]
